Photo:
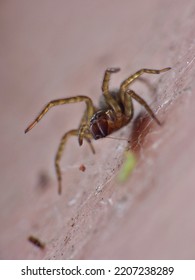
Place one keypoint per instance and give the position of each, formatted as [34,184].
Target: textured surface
[53,49]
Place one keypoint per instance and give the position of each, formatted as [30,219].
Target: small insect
[97,122]
[36,242]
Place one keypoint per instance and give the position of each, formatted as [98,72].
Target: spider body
[116,112]
[105,122]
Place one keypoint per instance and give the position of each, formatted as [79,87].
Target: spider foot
[113,69]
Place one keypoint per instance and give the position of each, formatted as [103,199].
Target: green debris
[127,167]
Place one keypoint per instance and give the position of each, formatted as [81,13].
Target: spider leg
[84,126]
[105,88]
[129,80]
[143,103]
[60,150]
[128,105]
[82,131]
[87,100]
[90,144]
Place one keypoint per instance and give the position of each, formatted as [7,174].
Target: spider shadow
[142,123]
[140,129]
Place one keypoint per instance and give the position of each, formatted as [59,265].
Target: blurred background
[53,49]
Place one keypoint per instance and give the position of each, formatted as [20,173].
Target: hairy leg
[87,100]
[105,88]
[143,103]
[126,100]
[129,80]
[74,132]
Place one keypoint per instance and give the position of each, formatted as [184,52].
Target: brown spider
[116,112]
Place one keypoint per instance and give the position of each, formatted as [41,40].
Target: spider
[115,112]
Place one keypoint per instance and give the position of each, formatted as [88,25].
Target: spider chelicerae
[116,112]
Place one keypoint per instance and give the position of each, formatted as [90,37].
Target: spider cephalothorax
[97,123]
[104,123]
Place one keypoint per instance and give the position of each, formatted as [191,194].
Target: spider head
[99,125]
